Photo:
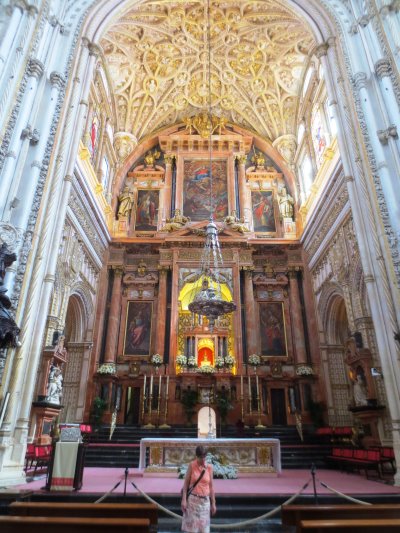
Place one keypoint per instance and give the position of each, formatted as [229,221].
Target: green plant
[97,412]
[189,401]
[316,410]
[223,406]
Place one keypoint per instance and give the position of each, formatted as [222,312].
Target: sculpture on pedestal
[125,200]
[8,328]
[286,203]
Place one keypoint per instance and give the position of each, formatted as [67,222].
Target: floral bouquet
[156,359]
[304,370]
[107,368]
[181,360]
[254,360]
[229,360]
[206,369]
[219,362]
[191,361]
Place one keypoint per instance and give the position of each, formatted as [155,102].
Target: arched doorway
[206,423]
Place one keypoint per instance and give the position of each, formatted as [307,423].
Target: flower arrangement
[219,362]
[181,360]
[191,361]
[221,470]
[107,368]
[156,359]
[304,370]
[229,360]
[254,360]
[206,369]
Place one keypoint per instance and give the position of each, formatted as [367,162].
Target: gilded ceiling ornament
[157,58]
[151,157]
[204,125]
[258,159]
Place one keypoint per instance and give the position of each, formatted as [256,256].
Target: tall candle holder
[159,399]
[259,423]
[149,425]
[165,425]
[144,398]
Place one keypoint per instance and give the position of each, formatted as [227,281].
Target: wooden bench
[350,526]
[294,514]
[52,524]
[97,510]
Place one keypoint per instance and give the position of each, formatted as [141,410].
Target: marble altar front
[258,456]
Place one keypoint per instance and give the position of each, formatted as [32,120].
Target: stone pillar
[166,199]
[100,150]
[35,70]
[161,310]
[297,319]
[114,317]
[251,329]
[11,30]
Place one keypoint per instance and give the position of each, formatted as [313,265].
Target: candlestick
[149,425]
[165,425]
[249,383]
[144,397]
[259,424]
[159,399]
[241,385]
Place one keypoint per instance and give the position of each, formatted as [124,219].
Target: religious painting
[147,210]
[138,328]
[197,189]
[263,211]
[93,135]
[272,329]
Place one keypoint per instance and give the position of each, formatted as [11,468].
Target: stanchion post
[125,481]
[313,469]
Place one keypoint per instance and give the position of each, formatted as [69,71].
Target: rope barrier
[236,525]
[343,495]
[226,526]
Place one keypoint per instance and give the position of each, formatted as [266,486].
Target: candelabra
[165,425]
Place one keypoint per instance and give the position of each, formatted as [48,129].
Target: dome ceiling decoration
[157,59]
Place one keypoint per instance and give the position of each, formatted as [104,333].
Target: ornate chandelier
[208,301]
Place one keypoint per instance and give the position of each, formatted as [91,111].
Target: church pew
[293,514]
[349,526]
[97,510]
[51,524]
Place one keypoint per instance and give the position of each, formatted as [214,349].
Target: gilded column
[297,319]
[114,317]
[250,312]
[161,310]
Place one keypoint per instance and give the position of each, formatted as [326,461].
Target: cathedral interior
[126,126]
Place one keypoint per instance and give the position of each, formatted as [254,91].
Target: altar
[249,456]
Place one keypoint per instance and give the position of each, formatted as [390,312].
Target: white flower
[107,368]
[219,362]
[254,359]
[156,359]
[191,361]
[181,360]
[304,370]
[229,360]
[206,369]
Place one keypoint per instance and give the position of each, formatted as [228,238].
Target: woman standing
[198,491]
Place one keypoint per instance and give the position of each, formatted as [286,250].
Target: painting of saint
[263,211]
[196,190]
[272,329]
[138,328]
[318,134]
[147,210]
[93,135]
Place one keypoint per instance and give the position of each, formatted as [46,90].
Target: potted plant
[97,412]
[189,401]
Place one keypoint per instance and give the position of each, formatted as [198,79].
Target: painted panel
[147,210]
[272,329]
[138,328]
[196,189]
[263,211]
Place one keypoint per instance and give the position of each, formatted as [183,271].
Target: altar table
[250,456]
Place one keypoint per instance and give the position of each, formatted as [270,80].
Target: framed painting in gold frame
[263,211]
[147,206]
[272,329]
[138,328]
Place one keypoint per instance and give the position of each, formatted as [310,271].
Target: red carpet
[102,480]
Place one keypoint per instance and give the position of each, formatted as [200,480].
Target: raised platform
[252,456]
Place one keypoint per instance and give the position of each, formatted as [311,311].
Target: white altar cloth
[247,455]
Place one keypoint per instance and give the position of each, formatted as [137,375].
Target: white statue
[359,391]
[54,390]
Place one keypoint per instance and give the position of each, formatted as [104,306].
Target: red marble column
[250,313]
[161,310]
[297,319]
[167,187]
[245,207]
[114,317]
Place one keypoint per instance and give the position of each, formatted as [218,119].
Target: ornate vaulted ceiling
[157,56]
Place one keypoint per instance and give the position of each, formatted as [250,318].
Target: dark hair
[200,451]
